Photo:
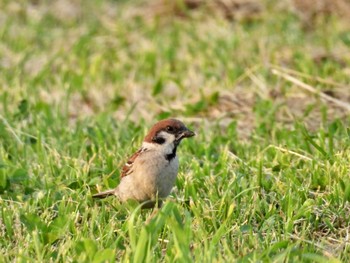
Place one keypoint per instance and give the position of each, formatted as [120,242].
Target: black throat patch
[171,155]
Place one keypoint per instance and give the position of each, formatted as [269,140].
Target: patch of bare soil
[309,109]
[228,9]
[313,108]
[311,11]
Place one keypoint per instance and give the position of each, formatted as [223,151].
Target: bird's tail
[104,194]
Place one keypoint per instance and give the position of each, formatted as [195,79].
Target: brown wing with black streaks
[127,168]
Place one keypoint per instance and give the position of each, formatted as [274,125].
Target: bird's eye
[169,128]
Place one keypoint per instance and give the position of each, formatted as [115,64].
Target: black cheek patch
[158,140]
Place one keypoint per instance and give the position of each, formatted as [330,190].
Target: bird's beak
[186,134]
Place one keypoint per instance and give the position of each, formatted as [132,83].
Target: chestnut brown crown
[171,126]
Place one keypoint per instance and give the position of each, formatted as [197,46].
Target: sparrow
[150,173]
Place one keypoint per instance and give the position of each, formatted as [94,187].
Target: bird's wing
[128,166]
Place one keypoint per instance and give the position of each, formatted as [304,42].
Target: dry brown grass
[311,107]
[310,11]
[228,9]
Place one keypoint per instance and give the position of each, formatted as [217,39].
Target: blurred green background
[265,84]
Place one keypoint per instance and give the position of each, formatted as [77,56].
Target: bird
[150,173]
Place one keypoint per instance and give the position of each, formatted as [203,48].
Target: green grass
[268,180]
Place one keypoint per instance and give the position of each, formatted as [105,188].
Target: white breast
[152,176]
[166,179]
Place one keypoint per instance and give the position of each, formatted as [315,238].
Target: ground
[265,85]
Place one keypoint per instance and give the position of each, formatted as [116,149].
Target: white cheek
[150,146]
[167,147]
[169,138]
